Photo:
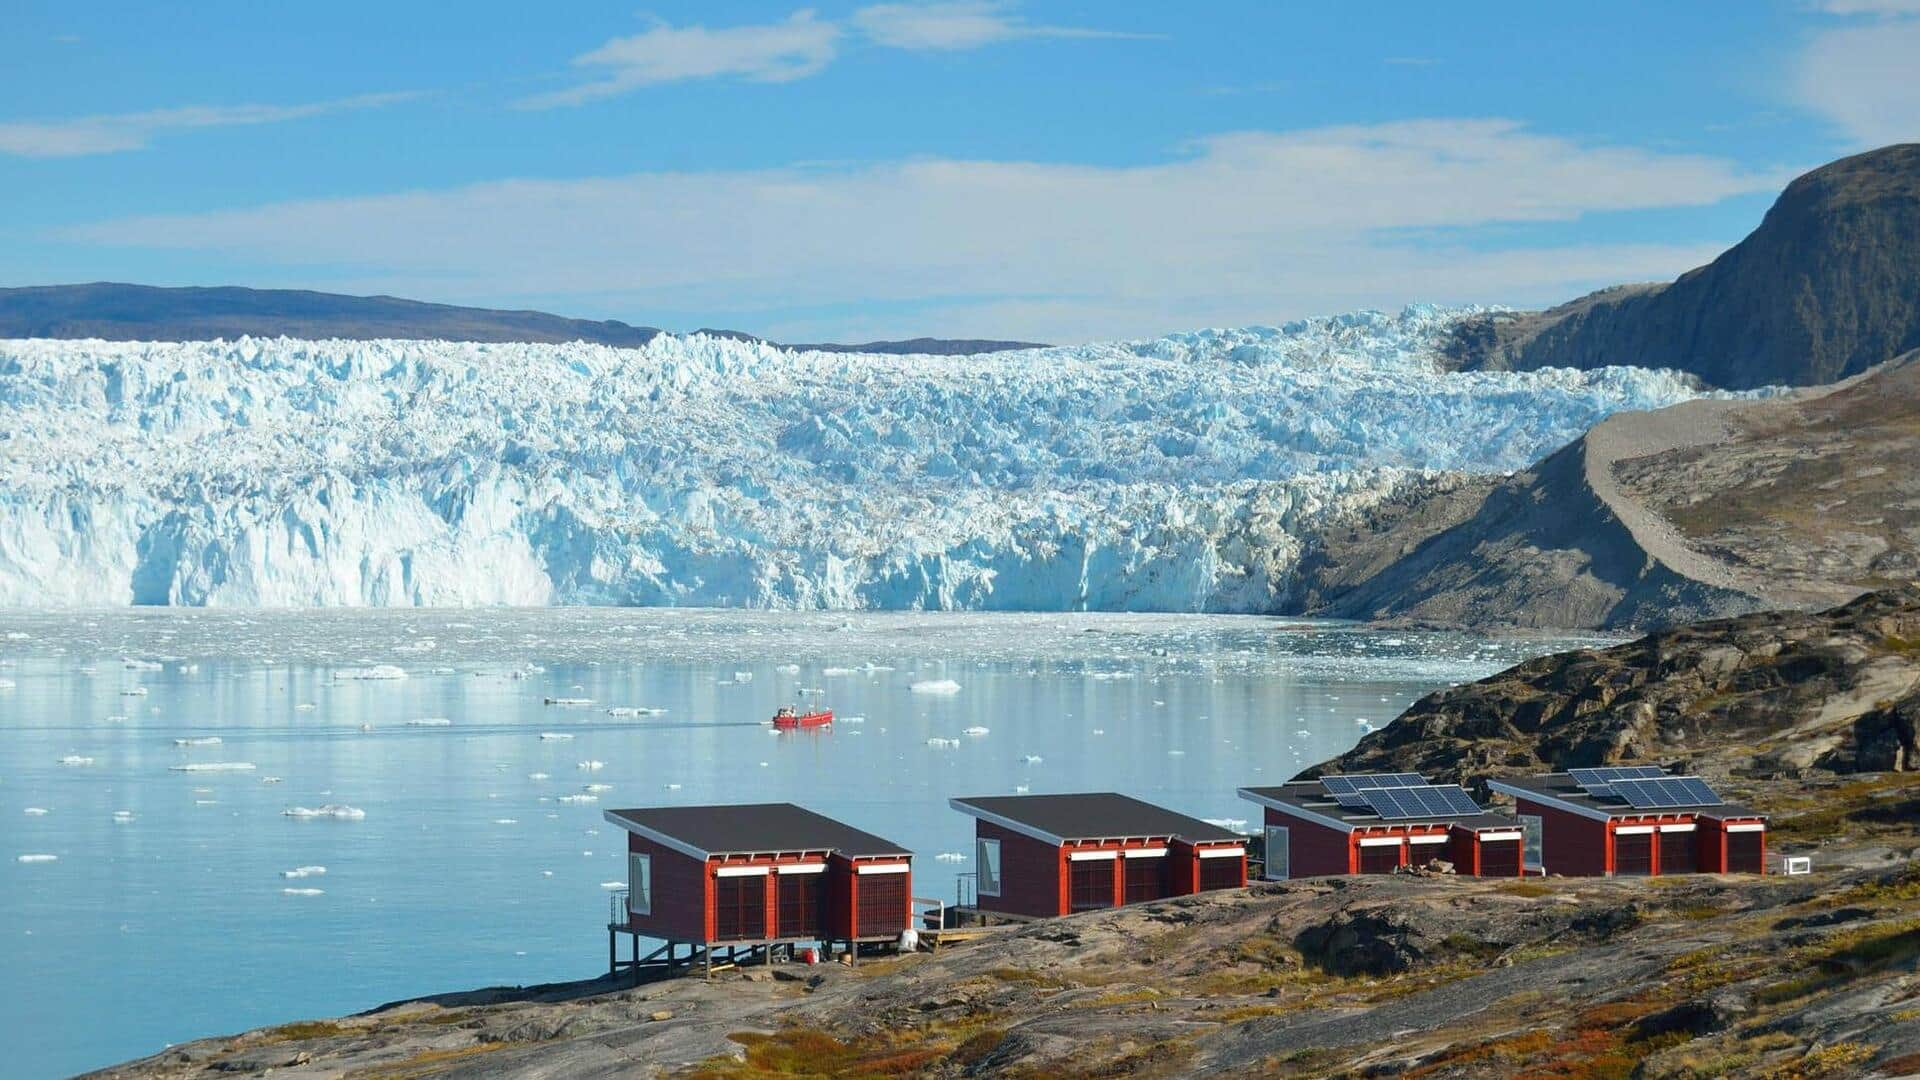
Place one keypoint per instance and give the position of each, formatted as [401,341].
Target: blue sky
[1050,171]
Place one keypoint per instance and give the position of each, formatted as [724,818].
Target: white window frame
[1284,847]
[639,883]
[1533,841]
[986,861]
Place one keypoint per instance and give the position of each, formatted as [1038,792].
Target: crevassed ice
[1173,474]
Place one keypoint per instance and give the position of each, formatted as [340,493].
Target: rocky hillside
[1828,286]
[1419,975]
[1703,509]
[1769,696]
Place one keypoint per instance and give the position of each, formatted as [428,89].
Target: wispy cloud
[118,132]
[800,45]
[794,48]
[1860,76]
[961,24]
[1246,227]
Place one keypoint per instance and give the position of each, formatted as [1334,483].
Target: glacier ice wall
[1173,474]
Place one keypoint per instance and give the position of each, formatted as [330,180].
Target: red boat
[787,718]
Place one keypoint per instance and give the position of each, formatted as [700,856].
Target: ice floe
[303,872]
[36,858]
[376,673]
[935,686]
[337,812]
[213,766]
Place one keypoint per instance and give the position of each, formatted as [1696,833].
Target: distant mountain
[119,312]
[1828,286]
[145,313]
[929,346]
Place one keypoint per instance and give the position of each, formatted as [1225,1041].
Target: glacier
[1175,474]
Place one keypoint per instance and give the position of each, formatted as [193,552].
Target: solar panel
[1350,790]
[1602,780]
[1364,781]
[1426,801]
[1654,793]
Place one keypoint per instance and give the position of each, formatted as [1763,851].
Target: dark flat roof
[1091,816]
[1561,786]
[1308,795]
[753,827]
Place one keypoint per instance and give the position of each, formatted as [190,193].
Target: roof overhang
[663,839]
[674,843]
[1298,811]
[1007,823]
[1577,809]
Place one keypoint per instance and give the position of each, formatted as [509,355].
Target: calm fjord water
[174,919]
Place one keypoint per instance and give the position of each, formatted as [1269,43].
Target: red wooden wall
[682,907]
[1571,845]
[1033,878]
[1314,850]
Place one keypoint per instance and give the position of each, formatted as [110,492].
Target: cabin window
[1278,854]
[1533,838]
[639,883]
[986,860]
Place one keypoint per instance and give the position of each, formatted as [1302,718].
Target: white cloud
[118,132]
[1869,7]
[793,48]
[961,24]
[1247,227]
[1862,79]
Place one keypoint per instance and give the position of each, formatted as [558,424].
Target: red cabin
[1634,820]
[760,875]
[1379,822]
[1047,855]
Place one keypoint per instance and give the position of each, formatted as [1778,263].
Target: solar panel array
[1656,793]
[1349,790]
[1424,802]
[1605,775]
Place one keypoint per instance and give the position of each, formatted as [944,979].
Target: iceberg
[1172,474]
